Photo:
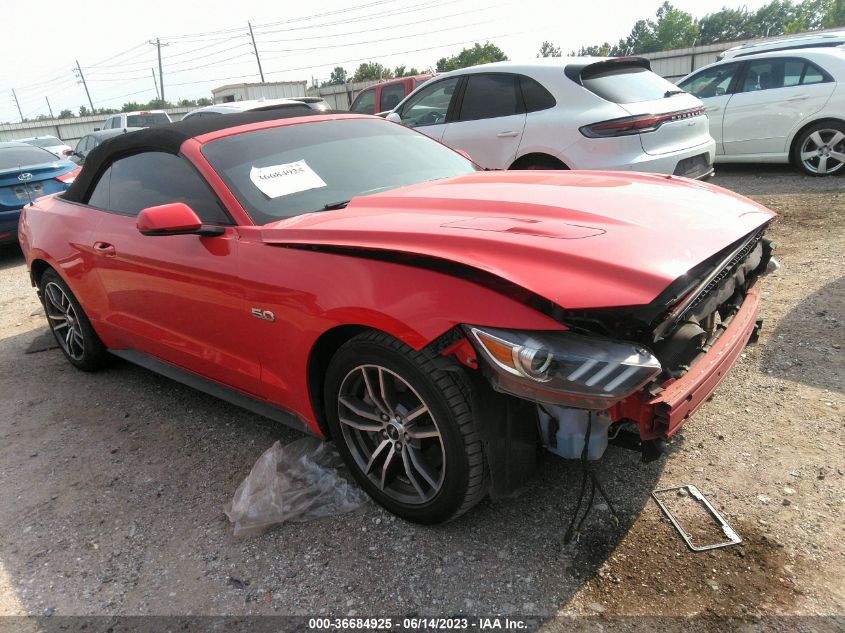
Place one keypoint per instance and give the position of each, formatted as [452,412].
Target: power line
[386,39]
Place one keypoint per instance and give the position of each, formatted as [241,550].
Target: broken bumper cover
[663,415]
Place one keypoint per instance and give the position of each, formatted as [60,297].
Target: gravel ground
[113,485]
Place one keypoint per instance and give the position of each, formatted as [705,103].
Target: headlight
[578,371]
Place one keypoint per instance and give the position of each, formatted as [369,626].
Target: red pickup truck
[385,96]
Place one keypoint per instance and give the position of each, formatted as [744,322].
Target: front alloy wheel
[405,429]
[822,150]
[391,434]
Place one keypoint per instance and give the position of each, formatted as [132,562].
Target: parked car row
[778,101]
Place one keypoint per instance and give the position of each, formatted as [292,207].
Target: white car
[790,42]
[233,107]
[50,143]
[145,118]
[777,107]
[564,113]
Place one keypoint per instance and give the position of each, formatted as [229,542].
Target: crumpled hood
[578,239]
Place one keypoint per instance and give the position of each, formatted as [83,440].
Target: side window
[711,82]
[792,71]
[100,195]
[812,75]
[489,96]
[153,178]
[535,96]
[431,104]
[391,96]
[763,74]
[365,103]
[109,123]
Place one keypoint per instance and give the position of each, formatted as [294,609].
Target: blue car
[27,173]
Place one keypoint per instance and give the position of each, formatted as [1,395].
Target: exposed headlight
[578,371]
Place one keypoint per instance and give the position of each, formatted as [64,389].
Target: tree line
[673,28]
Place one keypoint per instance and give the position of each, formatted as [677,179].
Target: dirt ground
[112,486]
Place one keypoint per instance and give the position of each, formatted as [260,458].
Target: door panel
[492,143]
[714,108]
[178,298]
[490,121]
[774,95]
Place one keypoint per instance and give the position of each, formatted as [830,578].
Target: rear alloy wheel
[405,429]
[71,328]
[821,149]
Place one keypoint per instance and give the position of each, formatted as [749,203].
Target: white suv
[777,107]
[146,118]
[564,113]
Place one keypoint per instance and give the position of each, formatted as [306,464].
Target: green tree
[674,28]
[724,26]
[187,103]
[130,106]
[547,49]
[835,15]
[203,101]
[477,54]
[337,77]
[66,114]
[83,111]
[371,70]
[403,71]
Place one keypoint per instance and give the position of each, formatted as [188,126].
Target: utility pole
[155,83]
[158,46]
[255,50]
[17,103]
[49,107]
[85,85]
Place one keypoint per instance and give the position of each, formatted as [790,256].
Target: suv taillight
[637,124]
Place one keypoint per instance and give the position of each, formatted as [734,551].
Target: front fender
[311,293]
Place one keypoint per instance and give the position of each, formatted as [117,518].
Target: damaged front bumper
[662,414]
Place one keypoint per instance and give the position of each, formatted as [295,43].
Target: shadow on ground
[114,485]
[807,344]
[10,255]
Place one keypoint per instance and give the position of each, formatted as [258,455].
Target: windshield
[47,141]
[146,120]
[628,84]
[11,157]
[294,169]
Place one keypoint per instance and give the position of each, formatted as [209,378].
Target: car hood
[578,239]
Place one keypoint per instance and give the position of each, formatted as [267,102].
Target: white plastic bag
[296,482]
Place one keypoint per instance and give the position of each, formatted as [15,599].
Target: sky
[208,43]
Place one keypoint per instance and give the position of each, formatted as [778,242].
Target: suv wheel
[820,150]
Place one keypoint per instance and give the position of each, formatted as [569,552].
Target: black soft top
[168,137]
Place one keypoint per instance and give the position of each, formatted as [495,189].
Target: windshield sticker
[275,181]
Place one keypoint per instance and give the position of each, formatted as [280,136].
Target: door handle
[103,248]
[712,109]
[797,98]
[507,134]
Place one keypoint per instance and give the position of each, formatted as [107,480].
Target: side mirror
[67,152]
[176,218]
[394,117]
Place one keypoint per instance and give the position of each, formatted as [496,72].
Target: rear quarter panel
[59,233]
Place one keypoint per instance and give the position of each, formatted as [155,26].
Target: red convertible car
[437,322]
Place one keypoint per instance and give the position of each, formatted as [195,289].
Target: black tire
[809,150]
[540,163]
[75,336]
[446,398]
